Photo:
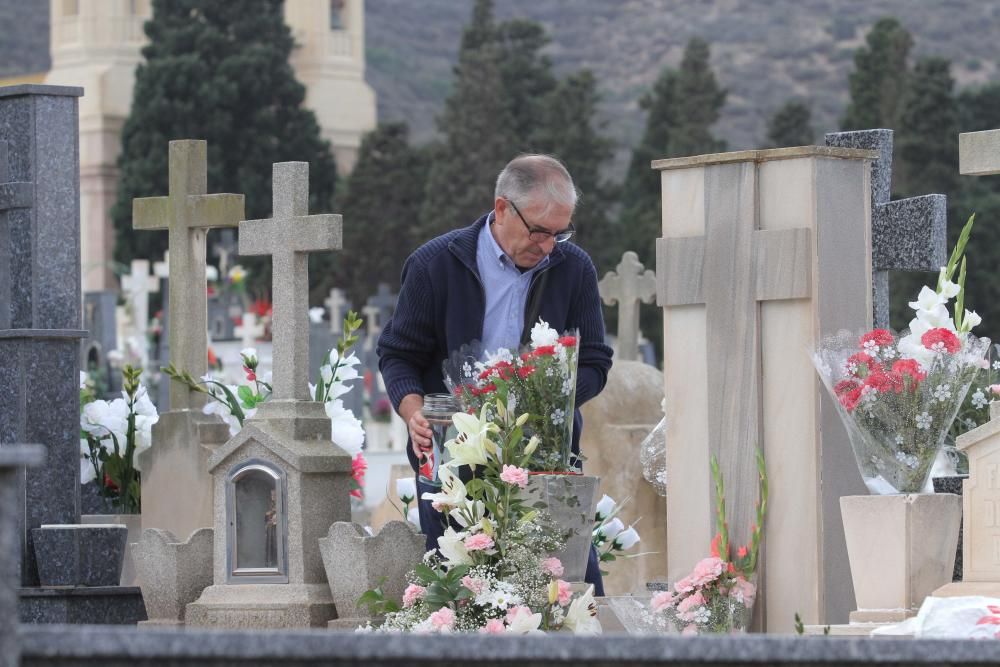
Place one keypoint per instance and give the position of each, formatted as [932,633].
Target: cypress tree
[698,99]
[527,77]
[879,77]
[218,71]
[927,150]
[790,126]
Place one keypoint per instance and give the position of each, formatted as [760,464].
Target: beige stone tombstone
[615,423]
[980,512]
[280,482]
[763,252]
[176,487]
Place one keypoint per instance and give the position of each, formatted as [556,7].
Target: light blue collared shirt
[506,291]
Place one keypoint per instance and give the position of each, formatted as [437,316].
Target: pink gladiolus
[552,567]
[514,475]
[412,593]
[661,601]
[494,626]
[443,619]
[478,542]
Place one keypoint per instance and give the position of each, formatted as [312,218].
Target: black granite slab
[79,605]
[80,555]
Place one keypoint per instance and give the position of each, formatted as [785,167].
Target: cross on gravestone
[907,234]
[288,237]
[731,270]
[138,285]
[187,212]
[337,306]
[978,153]
[12,196]
[627,286]
[249,330]
[224,248]
[371,314]
[384,301]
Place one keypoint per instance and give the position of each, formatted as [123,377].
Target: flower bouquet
[540,380]
[899,394]
[114,434]
[491,572]
[718,595]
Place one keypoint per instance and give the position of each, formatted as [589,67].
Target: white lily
[581,617]
[453,549]
[453,493]
[469,447]
[523,622]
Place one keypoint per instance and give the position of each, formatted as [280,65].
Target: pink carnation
[494,626]
[412,593]
[474,585]
[661,601]
[443,619]
[743,591]
[690,602]
[478,542]
[707,570]
[552,566]
[514,612]
[515,475]
[685,585]
[565,592]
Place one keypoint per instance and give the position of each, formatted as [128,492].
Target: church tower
[329,60]
[96,45]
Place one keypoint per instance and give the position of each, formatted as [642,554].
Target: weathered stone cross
[627,286]
[732,269]
[336,304]
[288,237]
[187,212]
[249,330]
[907,234]
[978,153]
[384,301]
[139,284]
[12,195]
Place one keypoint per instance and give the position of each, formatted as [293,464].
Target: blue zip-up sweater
[442,304]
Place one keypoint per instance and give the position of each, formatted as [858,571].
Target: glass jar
[438,410]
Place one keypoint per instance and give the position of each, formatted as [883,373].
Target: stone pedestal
[176,487]
[133,525]
[356,562]
[570,501]
[172,574]
[901,548]
[763,253]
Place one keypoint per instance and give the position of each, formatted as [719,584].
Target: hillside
[763,51]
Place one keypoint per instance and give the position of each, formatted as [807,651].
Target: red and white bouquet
[899,394]
[539,380]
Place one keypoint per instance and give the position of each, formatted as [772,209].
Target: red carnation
[568,341]
[885,382]
[525,371]
[909,367]
[487,389]
[845,386]
[941,340]
[881,337]
[544,350]
[849,399]
[864,364]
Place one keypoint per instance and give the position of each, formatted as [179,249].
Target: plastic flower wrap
[899,394]
[539,380]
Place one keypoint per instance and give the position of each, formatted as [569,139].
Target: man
[491,282]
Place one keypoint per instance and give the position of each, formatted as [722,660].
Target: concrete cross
[224,249]
[907,234]
[337,306]
[371,314]
[187,212]
[12,195]
[288,237]
[138,285]
[732,269]
[627,286]
[385,303]
[978,153]
[250,330]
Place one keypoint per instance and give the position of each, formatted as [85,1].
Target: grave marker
[627,286]
[250,330]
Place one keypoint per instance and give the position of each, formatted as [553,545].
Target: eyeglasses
[539,235]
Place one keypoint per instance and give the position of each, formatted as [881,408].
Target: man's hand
[411,411]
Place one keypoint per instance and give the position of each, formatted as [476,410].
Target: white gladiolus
[971,320]
[326,373]
[928,299]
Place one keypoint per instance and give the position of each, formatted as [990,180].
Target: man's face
[524,240]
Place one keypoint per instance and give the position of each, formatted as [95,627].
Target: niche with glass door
[257,524]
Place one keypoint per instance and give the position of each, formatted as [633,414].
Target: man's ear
[500,206]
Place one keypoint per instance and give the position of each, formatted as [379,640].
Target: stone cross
[371,314]
[337,306]
[224,249]
[138,285]
[250,330]
[289,236]
[187,212]
[627,286]
[907,234]
[385,301]
[978,153]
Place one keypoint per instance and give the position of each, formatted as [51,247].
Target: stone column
[12,459]
[40,327]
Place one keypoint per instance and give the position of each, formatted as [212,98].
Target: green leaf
[425,574]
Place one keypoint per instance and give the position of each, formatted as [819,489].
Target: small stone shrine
[280,482]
